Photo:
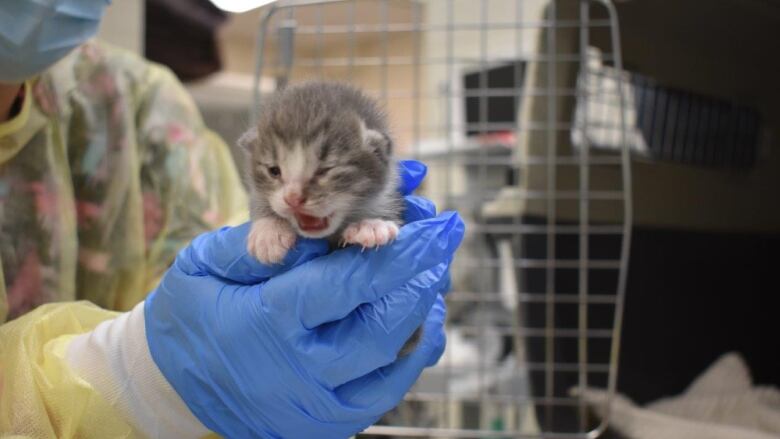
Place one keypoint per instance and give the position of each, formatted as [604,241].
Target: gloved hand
[307,348]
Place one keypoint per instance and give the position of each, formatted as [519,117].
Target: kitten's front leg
[270,239]
[370,233]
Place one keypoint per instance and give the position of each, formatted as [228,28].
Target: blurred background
[528,125]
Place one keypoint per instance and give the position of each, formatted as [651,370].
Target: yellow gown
[105,173]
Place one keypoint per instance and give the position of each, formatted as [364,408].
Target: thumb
[411,173]
[352,278]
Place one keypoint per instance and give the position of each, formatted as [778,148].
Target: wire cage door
[493,96]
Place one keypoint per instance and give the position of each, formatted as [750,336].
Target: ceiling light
[239,6]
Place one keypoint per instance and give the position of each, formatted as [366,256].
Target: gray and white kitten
[320,165]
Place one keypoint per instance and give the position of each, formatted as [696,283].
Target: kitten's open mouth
[309,223]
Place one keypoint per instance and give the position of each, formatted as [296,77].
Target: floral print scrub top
[106,171]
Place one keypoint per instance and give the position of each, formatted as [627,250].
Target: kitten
[320,165]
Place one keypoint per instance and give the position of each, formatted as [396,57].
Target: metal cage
[493,95]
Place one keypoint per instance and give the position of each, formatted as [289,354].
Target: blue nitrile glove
[308,348]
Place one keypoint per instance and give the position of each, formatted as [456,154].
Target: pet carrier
[485,92]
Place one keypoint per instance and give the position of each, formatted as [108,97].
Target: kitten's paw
[370,233]
[270,239]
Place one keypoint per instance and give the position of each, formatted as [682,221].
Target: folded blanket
[722,403]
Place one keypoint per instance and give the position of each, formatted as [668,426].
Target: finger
[330,287]
[412,174]
[381,390]
[418,208]
[372,335]
[222,253]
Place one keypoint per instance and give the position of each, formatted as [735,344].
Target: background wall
[719,51]
[123,24]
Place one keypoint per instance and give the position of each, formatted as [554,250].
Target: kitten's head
[318,153]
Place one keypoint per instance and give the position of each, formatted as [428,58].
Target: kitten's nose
[294,199]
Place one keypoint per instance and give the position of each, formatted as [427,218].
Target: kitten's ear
[248,139]
[375,140]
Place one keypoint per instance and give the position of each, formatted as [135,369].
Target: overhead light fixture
[239,6]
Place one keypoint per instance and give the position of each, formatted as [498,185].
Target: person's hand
[309,351]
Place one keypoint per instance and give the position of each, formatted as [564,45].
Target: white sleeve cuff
[115,359]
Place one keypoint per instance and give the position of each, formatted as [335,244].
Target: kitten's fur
[330,145]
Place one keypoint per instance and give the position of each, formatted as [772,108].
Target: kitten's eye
[322,171]
[274,171]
